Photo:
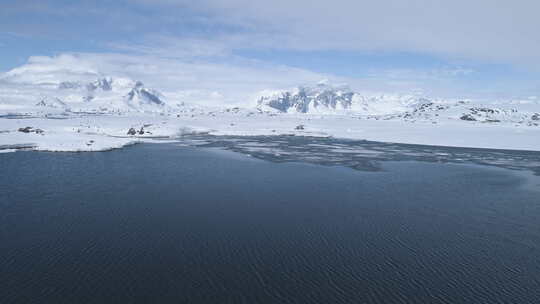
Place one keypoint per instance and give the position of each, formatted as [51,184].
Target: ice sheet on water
[360,154]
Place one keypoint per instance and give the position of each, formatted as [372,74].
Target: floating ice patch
[362,155]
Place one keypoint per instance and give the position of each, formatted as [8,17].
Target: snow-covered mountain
[140,97]
[326,99]
[112,94]
[101,95]
[319,98]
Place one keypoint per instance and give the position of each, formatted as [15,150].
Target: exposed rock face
[132,131]
[536,116]
[305,99]
[141,95]
[25,130]
[484,110]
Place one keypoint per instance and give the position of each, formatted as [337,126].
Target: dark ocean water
[170,224]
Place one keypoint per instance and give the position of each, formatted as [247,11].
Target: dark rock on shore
[30,130]
[467,117]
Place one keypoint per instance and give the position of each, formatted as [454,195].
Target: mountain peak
[304,99]
[139,95]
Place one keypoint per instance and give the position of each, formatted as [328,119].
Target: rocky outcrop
[467,117]
[140,95]
[31,130]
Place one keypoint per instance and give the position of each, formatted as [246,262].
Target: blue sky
[486,48]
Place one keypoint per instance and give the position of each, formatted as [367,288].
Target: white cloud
[169,47]
[490,30]
[499,31]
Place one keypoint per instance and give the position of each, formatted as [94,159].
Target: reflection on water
[360,154]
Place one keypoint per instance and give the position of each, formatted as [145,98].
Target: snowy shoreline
[106,132]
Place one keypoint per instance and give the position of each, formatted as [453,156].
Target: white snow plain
[101,132]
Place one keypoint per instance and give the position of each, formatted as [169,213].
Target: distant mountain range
[309,99]
[119,95]
[326,99]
